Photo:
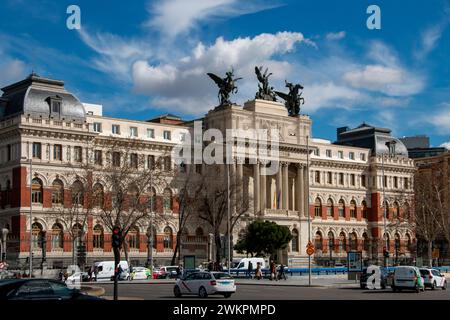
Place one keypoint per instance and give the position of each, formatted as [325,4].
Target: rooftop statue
[292,100]
[226,86]
[264,91]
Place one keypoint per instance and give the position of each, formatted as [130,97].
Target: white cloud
[116,54]
[441,120]
[430,37]
[11,70]
[184,83]
[174,17]
[446,145]
[332,36]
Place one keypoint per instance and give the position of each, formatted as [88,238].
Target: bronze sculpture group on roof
[292,100]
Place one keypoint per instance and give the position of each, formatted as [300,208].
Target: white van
[243,264]
[407,277]
[106,270]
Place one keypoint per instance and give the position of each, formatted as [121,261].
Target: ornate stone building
[342,192]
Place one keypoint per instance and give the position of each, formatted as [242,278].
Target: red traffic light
[116,230]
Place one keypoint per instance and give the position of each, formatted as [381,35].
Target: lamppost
[307,211]
[150,234]
[30,161]
[330,248]
[5,232]
[44,251]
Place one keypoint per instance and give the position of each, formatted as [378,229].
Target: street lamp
[43,248]
[5,232]
[330,248]
[307,210]
[30,161]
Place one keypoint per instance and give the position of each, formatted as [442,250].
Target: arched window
[168,238]
[353,241]
[318,241]
[366,242]
[57,236]
[395,210]
[397,242]
[98,237]
[330,207]
[342,242]
[330,241]
[386,209]
[57,192]
[133,238]
[341,208]
[318,208]
[352,209]
[167,199]
[98,195]
[36,235]
[36,190]
[294,241]
[387,242]
[77,193]
[364,209]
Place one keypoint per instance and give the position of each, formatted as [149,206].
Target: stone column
[299,189]
[279,187]
[256,187]
[285,187]
[263,193]
[239,185]
[233,186]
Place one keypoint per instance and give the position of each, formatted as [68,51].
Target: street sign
[310,248]
[354,259]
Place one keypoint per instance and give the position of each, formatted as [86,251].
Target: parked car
[166,272]
[383,281]
[409,278]
[204,284]
[77,277]
[243,264]
[106,270]
[40,289]
[140,273]
[433,278]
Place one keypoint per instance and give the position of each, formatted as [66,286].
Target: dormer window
[55,106]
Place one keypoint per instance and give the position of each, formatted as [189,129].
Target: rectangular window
[167,135]
[115,129]
[351,155]
[97,127]
[362,156]
[341,154]
[56,107]
[396,182]
[116,159]
[341,178]
[8,152]
[352,179]
[329,177]
[182,137]
[385,181]
[78,154]
[98,158]
[406,183]
[329,154]
[133,132]
[57,152]
[134,160]
[317,177]
[151,133]
[37,150]
[316,152]
[151,162]
[363,181]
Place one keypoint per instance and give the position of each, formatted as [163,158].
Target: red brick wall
[375,212]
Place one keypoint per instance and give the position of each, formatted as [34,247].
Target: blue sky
[144,58]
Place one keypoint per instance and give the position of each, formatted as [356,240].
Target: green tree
[263,238]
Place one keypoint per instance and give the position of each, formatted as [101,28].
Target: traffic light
[116,237]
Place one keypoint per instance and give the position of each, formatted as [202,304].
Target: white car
[76,278]
[408,278]
[433,278]
[204,284]
[140,273]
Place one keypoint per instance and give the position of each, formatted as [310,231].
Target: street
[269,291]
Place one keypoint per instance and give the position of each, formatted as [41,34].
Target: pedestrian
[90,274]
[95,272]
[250,269]
[281,274]
[61,276]
[273,270]
[258,273]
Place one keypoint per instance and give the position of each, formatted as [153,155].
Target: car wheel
[433,286]
[177,292]
[227,295]
[202,292]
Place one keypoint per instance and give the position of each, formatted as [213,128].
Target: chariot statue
[227,86]
[292,100]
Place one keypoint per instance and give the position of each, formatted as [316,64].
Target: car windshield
[424,272]
[219,276]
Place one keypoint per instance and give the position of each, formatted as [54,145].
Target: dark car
[384,278]
[40,289]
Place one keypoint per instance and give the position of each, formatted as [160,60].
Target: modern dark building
[419,147]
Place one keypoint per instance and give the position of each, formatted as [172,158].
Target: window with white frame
[97,126]
[115,129]
[341,154]
[133,131]
[167,135]
[151,133]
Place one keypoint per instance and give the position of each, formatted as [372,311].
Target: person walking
[273,270]
[281,273]
[258,273]
[250,269]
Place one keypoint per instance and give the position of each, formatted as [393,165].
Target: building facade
[331,193]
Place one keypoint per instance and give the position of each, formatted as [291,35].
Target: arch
[330,207]
[57,191]
[37,232]
[36,191]
[167,199]
[57,236]
[353,209]
[395,210]
[98,237]
[77,192]
[364,209]
[318,207]
[98,195]
[366,242]
[168,239]
[330,241]
[295,240]
[341,208]
[318,241]
[353,241]
[342,242]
